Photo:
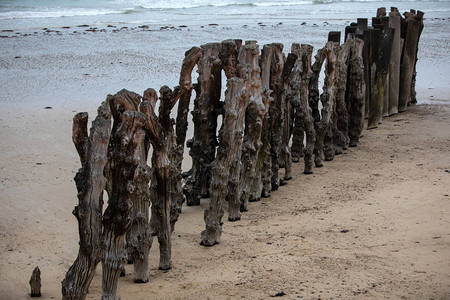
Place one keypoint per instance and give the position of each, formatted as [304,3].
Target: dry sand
[373,223]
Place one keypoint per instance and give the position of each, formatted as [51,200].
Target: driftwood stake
[90,184]
[35,283]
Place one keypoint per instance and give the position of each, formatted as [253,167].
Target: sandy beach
[373,223]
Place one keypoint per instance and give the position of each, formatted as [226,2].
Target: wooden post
[286,120]
[204,116]
[355,94]
[413,26]
[386,36]
[90,183]
[411,37]
[419,17]
[236,100]
[303,119]
[35,283]
[165,174]
[324,126]
[250,72]
[138,236]
[340,134]
[264,156]
[190,60]
[126,139]
[375,104]
[394,64]
[313,101]
[276,85]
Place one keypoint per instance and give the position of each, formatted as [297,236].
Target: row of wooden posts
[272,104]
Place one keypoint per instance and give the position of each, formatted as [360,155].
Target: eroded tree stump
[236,100]
[90,183]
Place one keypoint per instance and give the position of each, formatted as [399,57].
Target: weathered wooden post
[324,126]
[191,58]
[138,236]
[303,120]
[126,141]
[356,92]
[276,85]
[314,97]
[286,120]
[384,40]
[264,156]
[207,107]
[165,178]
[35,283]
[90,183]
[394,64]
[250,72]
[413,27]
[340,135]
[236,100]
[418,16]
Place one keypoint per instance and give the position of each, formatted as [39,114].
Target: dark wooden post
[264,156]
[384,40]
[286,119]
[236,100]
[324,127]
[419,17]
[355,94]
[90,183]
[340,134]
[413,28]
[394,64]
[303,119]
[276,85]
[204,116]
[126,139]
[35,283]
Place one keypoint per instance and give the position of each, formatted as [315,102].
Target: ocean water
[26,15]
[75,52]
